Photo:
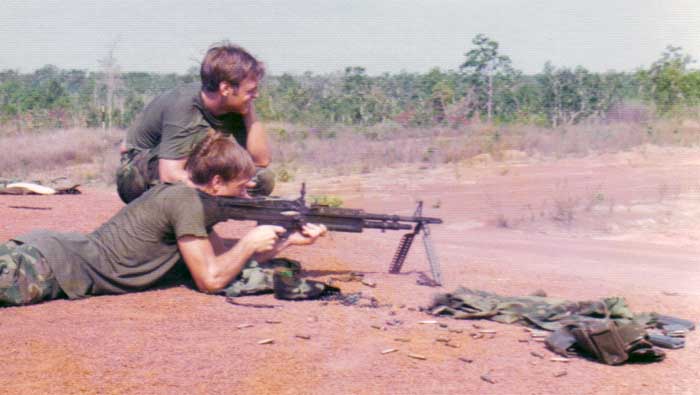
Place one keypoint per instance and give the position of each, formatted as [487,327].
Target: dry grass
[343,150]
[83,155]
[91,154]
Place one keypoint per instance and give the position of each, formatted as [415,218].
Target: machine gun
[293,214]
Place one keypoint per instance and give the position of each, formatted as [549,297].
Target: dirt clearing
[618,224]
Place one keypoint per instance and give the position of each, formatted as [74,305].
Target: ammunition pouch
[614,344]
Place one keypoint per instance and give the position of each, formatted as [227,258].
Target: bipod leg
[432,256]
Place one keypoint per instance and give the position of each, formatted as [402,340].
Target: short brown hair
[230,63]
[220,155]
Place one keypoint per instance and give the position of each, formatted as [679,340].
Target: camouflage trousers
[138,171]
[280,276]
[25,276]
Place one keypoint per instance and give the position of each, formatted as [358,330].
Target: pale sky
[328,35]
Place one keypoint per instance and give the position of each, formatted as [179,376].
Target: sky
[328,35]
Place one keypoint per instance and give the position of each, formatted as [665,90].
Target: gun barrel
[385,225]
[399,218]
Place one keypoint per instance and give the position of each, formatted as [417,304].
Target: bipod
[405,246]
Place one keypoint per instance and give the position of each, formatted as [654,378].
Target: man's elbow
[212,283]
[262,162]
[211,286]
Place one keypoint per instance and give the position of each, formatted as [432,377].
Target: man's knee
[136,174]
[130,183]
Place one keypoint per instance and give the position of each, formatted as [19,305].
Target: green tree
[488,72]
[571,95]
[668,83]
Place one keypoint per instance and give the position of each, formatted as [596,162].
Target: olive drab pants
[138,171]
[25,276]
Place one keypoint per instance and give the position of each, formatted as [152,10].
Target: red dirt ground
[582,228]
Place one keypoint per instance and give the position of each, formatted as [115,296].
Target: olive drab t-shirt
[176,121]
[132,250]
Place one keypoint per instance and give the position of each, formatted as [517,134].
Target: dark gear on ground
[25,276]
[605,330]
[138,171]
[59,186]
[280,276]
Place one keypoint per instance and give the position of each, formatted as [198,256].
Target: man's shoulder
[180,96]
[175,191]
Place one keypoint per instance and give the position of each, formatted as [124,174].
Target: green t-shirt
[132,250]
[176,121]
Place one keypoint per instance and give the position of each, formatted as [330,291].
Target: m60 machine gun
[293,214]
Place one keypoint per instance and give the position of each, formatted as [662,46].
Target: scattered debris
[477,326]
[485,331]
[560,374]
[443,339]
[669,293]
[352,276]
[426,322]
[465,359]
[476,335]
[243,326]
[448,344]
[536,354]
[523,340]
[402,339]
[305,337]
[273,322]
[266,341]
[30,208]
[456,330]
[394,322]
[424,280]
[560,359]
[417,356]
[353,299]
[389,350]
[254,305]
[369,283]
[487,378]
[378,327]
[442,325]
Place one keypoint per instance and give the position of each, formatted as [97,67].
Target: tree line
[485,87]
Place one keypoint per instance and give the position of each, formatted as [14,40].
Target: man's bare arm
[257,142]
[212,272]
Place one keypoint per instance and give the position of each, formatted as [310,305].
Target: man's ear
[216,183]
[225,88]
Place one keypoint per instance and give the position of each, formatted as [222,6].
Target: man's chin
[242,111]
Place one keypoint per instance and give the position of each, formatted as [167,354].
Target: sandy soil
[580,228]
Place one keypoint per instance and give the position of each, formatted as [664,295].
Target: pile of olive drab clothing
[605,330]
